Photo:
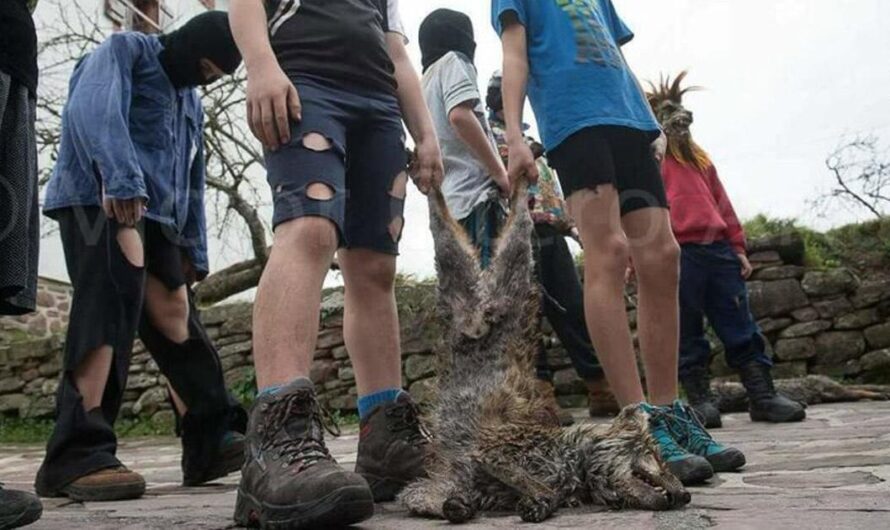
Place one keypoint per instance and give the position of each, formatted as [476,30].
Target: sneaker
[692,435]
[18,508]
[600,399]
[289,479]
[392,448]
[109,484]
[690,469]
[548,392]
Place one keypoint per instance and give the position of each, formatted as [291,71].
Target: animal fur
[810,390]
[495,445]
[666,100]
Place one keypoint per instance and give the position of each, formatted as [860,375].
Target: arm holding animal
[466,124]
[513,38]
[428,170]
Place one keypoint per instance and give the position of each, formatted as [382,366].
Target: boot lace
[693,434]
[406,419]
[308,448]
[665,435]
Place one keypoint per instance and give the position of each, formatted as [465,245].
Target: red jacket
[700,209]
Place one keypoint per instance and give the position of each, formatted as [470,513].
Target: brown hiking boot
[392,448]
[548,392]
[109,484]
[289,479]
[600,400]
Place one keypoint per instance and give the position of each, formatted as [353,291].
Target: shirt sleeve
[500,7]
[194,232]
[458,84]
[619,29]
[394,19]
[734,230]
[99,109]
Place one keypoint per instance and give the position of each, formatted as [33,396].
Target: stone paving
[832,471]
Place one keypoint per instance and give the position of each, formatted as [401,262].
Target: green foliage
[37,431]
[343,421]
[818,251]
[245,390]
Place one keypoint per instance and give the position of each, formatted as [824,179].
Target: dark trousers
[711,285]
[482,226]
[107,309]
[562,303]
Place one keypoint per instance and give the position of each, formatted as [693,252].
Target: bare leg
[286,312]
[91,376]
[371,320]
[596,213]
[656,258]
[169,313]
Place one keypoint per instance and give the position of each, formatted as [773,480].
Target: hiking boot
[697,385]
[227,457]
[764,403]
[692,435]
[392,448]
[109,484]
[18,508]
[600,399]
[548,392]
[289,479]
[690,469]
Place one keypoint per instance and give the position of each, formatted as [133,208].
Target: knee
[608,259]
[316,236]
[659,264]
[375,274]
[169,313]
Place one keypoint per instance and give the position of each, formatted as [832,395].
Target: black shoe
[392,448]
[18,508]
[697,385]
[289,479]
[764,403]
[227,456]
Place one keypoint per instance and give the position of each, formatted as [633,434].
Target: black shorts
[362,166]
[610,154]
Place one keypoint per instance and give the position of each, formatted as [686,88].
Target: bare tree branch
[861,172]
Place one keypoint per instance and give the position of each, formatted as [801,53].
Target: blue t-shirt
[577,76]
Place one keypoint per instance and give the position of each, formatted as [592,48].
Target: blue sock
[369,402]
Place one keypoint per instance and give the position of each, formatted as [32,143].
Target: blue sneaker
[693,436]
[687,467]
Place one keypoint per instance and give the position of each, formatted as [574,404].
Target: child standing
[328,83]
[597,127]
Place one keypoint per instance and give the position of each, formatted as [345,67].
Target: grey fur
[809,390]
[496,447]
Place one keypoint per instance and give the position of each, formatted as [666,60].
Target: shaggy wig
[684,149]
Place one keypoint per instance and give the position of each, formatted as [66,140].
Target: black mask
[446,31]
[206,36]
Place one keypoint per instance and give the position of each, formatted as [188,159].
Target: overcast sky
[785,80]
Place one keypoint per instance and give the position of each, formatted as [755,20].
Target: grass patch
[37,431]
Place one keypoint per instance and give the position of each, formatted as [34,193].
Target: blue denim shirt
[127,130]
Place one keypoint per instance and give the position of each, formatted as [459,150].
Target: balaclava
[445,31]
[494,99]
[206,36]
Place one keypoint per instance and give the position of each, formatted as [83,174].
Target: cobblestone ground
[831,471]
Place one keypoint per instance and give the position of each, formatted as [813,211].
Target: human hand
[659,147]
[521,162]
[747,269]
[127,212]
[503,182]
[272,102]
[426,166]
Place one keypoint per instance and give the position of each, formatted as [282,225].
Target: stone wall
[817,321]
[50,317]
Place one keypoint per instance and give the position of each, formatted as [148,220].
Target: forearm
[515,80]
[248,21]
[414,110]
[471,133]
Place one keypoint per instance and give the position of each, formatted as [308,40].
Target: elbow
[458,117]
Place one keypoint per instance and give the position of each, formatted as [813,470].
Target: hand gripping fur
[495,445]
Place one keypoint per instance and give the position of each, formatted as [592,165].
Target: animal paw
[534,510]
[457,511]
